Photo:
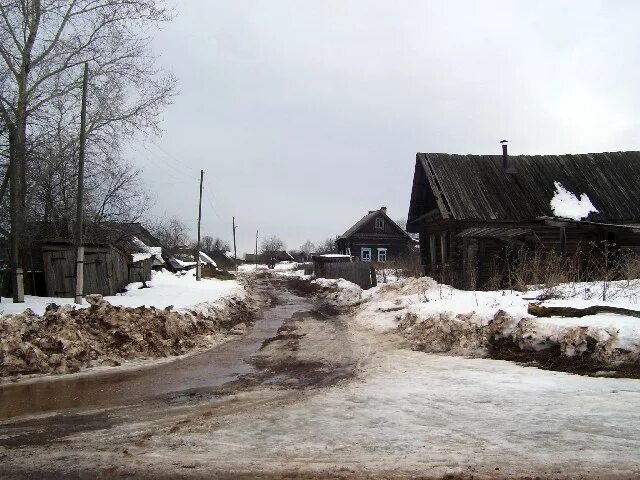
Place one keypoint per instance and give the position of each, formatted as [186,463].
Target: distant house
[184,259]
[263,258]
[375,237]
[470,209]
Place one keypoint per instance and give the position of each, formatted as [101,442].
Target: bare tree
[307,248]
[327,246]
[42,45]
[210,244]
[172,234]
[272,244]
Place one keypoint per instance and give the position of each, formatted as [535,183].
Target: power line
[171,156]
[172,168]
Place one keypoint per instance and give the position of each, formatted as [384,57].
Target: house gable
[375,223]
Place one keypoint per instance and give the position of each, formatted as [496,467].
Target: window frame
[379,225]
[386,255]
[362,252]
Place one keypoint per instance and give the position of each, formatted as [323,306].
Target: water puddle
[223,364]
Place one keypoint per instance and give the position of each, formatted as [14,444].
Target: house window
[380,223]
[382,254]
[365,254]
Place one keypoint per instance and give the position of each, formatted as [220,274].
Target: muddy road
[42,414]
[46,409]
[308,392]
[117,387]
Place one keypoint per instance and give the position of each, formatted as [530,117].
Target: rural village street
[308,393]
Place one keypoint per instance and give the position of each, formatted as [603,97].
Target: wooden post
[256,257]
[80,193]
[198,263]
[235,258]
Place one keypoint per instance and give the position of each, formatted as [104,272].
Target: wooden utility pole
[80,194]
[235,258]
[256,257]
[198,263]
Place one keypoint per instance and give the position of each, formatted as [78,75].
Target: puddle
[223,364]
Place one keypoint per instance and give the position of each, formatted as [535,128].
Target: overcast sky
[304,115]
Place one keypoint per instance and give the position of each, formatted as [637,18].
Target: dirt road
[307,393]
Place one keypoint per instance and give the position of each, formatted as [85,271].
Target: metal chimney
[507,164]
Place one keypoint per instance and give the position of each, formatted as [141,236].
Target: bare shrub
[519,268]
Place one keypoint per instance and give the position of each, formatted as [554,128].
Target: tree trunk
[17,134]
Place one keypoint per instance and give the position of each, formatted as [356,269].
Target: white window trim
[362,251]
[382,250]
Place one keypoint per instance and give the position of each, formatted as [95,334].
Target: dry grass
[520,268]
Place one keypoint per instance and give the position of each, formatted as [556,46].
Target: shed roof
[475,187]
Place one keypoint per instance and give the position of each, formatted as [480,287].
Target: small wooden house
[468,209]
[375,237]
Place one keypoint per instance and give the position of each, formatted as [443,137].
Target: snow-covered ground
[165,288]
[469,317]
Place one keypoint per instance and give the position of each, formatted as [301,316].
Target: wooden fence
[360,273]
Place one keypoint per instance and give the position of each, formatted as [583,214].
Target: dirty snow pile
[438,318]
[566,205]
[65,339]
[340,290]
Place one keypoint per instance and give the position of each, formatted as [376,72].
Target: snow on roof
[146,249]
[138,257]
[566,205]
[204,258]
[334,255]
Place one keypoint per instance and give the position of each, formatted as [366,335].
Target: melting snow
[566,205]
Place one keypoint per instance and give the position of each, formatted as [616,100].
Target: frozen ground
[165,288]
[393,413]
[418,413]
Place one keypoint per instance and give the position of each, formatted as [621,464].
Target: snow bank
[175,314]
[343,291]
[65,340]
[566,205]
[165,289]
[438,318]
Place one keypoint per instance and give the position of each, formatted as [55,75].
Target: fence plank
[360,273]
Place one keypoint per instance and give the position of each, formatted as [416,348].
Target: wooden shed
[468,209]
[106,268]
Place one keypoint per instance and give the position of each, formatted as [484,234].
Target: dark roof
[475,187]
[370,216]
[122,234]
